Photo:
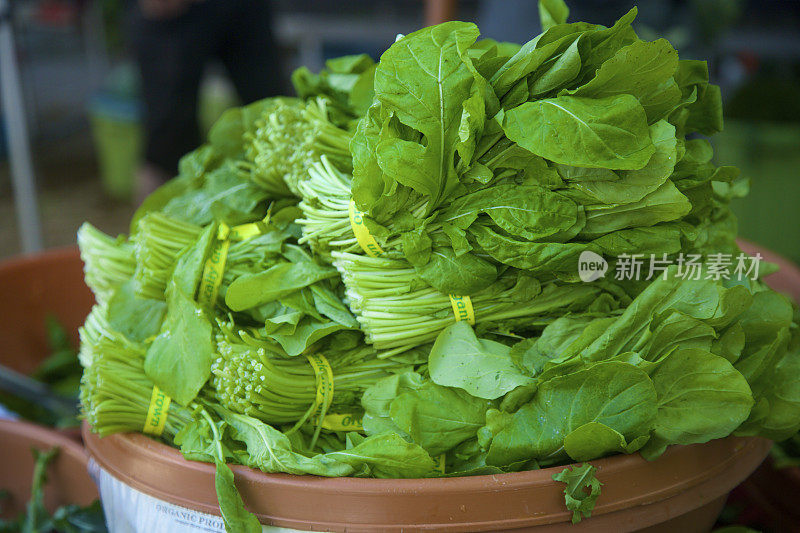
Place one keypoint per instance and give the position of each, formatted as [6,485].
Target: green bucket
[118,137]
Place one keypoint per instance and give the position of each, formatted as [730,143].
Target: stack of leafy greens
[70,518]
[380,277]
[60,373]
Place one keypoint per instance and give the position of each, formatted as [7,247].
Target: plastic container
[119,137]
[68,480]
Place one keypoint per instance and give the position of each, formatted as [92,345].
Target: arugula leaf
[528,211]
[451,274]
[595,439]
[581,491]
[234,515]
[633,185]
[419,80]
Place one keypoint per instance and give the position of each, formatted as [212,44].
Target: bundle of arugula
[380,277]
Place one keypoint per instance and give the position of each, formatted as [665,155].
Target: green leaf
[388,456]
[552,12]
[377,402]
[528,211]
[665,204]
[234,515]
[609,132]
[535,53]
[226,135]
[481,367]
[225,196]
[36,515]
[252,290]
[136,318]
[704,300]
[615,394]
[554,75]
[633,185]
[593,440]
[189,267]
[438,418]
[179,360]
[531,256]
[298,339]
[461,275]
[700,397]
[642,69]
[581,491]
[677,330]
[705,115]
[423,79]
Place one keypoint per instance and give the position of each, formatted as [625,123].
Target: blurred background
[79,66]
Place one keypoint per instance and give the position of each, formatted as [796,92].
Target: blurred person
[173,41]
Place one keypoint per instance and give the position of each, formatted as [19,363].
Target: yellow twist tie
[214,268]
[157,413]
[462,308]
[360,230]
[324,375]
[342,422]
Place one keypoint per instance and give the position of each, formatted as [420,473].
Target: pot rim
[51,254]
[708,461]
[45,435]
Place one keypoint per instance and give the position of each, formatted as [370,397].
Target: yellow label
[462,308]
[156,413]
[214,269]
[360,230]
[324,375]
[439,461]
[342,422]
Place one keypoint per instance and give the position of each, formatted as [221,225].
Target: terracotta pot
[683,490]
[768,499]
[31,288]
[770,494]
[787,279]
[68,479]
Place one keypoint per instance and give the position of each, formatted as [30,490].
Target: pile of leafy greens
[70,518]
[292,292]
[61,373]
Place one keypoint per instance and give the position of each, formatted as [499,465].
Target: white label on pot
[131,511]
